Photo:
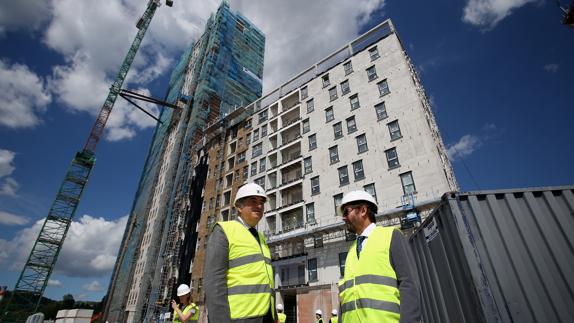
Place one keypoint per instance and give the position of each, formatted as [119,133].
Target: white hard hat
[183,289]
[319,312]
[249,189]
[356,196]
[334,312]
[279,307]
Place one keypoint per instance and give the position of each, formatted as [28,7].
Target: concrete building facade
[358,119]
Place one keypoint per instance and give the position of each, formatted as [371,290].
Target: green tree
[68,301]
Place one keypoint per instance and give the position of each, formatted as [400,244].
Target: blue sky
[498,73]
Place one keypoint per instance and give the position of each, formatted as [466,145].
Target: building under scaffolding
[358,119]
[218,73]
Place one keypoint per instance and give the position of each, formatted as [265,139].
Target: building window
[312,142]
[306,126]
[310,106]
[262,165]
[254,169]
[248,124]
[362,143]
[383,88]
[338,130]
[326,81]
[372,73]
[343,175]
[333,93]
[255,135]
[374,53]
[342,260]
[354,101]
[348,68]
[257,150]
[329,115]
[351,125]
[310,209]
[304,93]
[370,188]
[315,189]
[263,131]
[408,183]
[358,170]
[394,130]
[392,158]
[312,269]
[334,154]
[308,165]
[245,172]
[247,139]
[345,87]
[241,157]
[337,199]
[263,116]
[381,111]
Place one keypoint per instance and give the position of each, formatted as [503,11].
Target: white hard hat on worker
[183,289]
[318,312]
[249,190]
[250,203]
[279,307]
[354,197]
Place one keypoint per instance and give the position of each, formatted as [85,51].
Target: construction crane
[567,14]
[27,295]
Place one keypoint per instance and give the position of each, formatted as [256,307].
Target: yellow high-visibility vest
[249,275]
[282,317]
[193,319]
[369,290]
[334,319]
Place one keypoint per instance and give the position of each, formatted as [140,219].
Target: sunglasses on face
[348,209]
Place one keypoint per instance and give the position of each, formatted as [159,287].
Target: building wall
[278,137]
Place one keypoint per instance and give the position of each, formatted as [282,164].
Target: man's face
[352,215]
[251,210]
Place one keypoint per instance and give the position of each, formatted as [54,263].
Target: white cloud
[23,14]
[94,286]
[12,219]
[89,250]
[297,38]
[23,96]
[551,68]
[488,13]
[55,283]
[8,185]
[465,146]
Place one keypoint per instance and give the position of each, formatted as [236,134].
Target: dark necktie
[360,240]
[255,235]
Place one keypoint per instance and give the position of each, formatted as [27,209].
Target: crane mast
[27,295]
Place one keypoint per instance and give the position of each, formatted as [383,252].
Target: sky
[499,75]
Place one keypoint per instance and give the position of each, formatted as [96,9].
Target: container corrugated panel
[498,256]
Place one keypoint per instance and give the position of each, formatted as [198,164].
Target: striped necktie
[360,240]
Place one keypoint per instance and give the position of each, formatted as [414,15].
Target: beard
[350,227]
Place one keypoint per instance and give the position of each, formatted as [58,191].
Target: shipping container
[498,256]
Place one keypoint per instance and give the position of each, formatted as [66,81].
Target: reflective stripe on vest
[193,319]
[249,275]
[369,290]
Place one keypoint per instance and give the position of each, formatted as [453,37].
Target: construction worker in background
[334,317]
[238,273]
[319,316]
[379,284]
[280,315]
[190,313]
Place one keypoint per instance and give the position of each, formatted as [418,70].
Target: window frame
[359,144]
[354,126]
[310,105]
[312,272]
[334,149]
[329,114]
[343,173]
[312,142]
[318,190]
[374,53]
[410,175]
[393,134]
[392,161]
[372,73]
[354,105]
[386,88]
[325,80]
[333,95]
[304,93]
[348,70]
[360,170]
[310,165]
[338,130]
[346,89]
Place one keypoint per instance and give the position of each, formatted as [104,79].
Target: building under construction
[219,72]
[358,119]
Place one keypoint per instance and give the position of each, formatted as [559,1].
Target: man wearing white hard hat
[319,316]
[190,312]
[280,315]
[379,284]
[334,318]
[238,273]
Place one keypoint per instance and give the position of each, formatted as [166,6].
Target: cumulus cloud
[469,143]
[90,248]
[8,185]
[488,13]
[297,38]
[55,283]
[551,68]
[23,14]
[23,96]
[7,218]
[94,286]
